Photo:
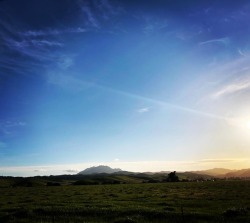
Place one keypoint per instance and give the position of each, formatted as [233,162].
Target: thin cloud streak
[225,41]
[105,6]
[143,110]
[221,81]
[92,21]
[73,83]
[161,103]
[232,88]
[52,32]
[31,43]
[8,127]
[72,171]
[34,44]
[241,53]
[40,170]
[221,160]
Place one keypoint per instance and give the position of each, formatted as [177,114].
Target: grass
[220,201]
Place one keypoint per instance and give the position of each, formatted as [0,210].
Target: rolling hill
[213,172]
[99,169]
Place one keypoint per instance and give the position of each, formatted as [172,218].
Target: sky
[138,85]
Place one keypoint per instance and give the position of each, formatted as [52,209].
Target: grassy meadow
[219,201]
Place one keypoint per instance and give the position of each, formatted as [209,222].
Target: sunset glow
[248,124]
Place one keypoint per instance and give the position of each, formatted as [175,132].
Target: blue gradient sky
[140,85]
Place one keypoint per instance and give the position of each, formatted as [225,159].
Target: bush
[235,212]
[53,184]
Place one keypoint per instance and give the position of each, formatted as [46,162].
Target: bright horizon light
[248,124]
[136,166]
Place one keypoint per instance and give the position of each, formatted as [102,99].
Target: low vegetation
[59,200]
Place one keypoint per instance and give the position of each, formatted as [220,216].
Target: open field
[220,201]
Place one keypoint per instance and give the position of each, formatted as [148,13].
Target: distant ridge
[238,173]
[224,173]
[99,169]
[214,171]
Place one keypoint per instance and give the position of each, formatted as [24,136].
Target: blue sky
[140,85]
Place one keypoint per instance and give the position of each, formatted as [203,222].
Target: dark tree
[172,177]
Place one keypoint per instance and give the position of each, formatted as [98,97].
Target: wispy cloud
[31,43]
[228,163]
[65,61]
[43,170]
[40,170]
[242,53]
[95,15]
[18,66]
[143,110]
[17,41]
[219,160]
[232,88]
[7,128]
[35,48]
[52,32]
[153,24]
[225,41]
[223,79]
[32,48]
[10,124]
[71,171]
[108,8]
[69,82]
[91,21]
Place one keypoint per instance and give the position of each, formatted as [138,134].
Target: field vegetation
[46,200]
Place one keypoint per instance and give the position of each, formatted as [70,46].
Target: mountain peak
[99,169]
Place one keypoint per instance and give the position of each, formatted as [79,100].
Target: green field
[220,201]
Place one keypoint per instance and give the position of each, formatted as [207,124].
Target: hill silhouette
[99,169]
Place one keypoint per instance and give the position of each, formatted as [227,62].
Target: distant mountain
[99,169]
[237,173]
[224,173]
[214,171]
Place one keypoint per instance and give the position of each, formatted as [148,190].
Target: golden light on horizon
[248,124]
